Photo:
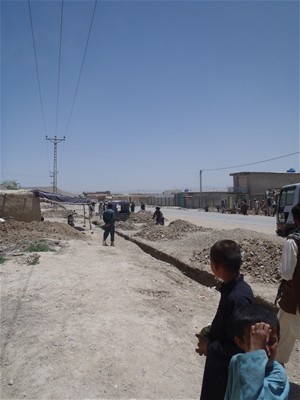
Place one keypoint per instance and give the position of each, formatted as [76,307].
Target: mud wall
[21,206]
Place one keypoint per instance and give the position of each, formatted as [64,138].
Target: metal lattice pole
[55,141]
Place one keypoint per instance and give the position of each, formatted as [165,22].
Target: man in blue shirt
[109,227]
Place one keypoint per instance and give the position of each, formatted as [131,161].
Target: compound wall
[21,206]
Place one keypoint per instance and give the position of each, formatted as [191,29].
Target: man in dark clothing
[218,344]
[159,216]
[109,227]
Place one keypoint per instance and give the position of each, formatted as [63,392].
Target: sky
[148,93]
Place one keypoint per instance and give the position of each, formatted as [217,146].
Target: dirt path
[96,322]
[101,322]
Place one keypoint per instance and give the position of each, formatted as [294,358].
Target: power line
[81,68]
[253,163]
[59,60]
[36,67]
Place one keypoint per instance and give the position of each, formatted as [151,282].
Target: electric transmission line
[57,140]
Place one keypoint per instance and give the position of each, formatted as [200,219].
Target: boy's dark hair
[296,212]
[251,314]
[228,254]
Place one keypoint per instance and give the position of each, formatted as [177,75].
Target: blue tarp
[59,198]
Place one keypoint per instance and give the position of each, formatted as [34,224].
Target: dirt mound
[175,230]
[187,227]
[141,216]
[16,232]
[126,225]
[260,258]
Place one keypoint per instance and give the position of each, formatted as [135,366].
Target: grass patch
[33,259]
[2,259]
[38,247]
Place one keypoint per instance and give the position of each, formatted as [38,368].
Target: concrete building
[258,182]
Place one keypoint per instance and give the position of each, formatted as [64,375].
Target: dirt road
[93,322]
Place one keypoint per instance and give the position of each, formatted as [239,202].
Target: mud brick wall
[20,206]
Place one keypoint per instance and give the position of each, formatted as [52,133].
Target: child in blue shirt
[255,375]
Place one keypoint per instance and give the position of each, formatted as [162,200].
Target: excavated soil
[64,319]
[261,253]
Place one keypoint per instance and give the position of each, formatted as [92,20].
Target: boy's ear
[239,342]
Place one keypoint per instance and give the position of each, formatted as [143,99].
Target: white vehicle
[289,196]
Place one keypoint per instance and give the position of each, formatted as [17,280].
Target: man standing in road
[289,303]
[109,227]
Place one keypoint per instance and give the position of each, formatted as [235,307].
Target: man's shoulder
[241,290]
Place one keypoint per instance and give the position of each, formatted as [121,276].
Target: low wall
[22,206]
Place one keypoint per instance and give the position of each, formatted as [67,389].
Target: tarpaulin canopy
[59,198]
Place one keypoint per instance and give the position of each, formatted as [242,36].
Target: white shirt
[289,260]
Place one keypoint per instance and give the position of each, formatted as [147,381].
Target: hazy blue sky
[167,88]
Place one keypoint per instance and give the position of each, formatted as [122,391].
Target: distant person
[218,344]
[273,203]
[255,375]
[100,209]
[244,207]
[256,207]
[105,205]
[70,219]
[223,206]
[132,206]
[109,227]
[91,209]
[142,206]
[289,303]
[158,215]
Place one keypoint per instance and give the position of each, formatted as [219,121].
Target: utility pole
[200,192]
[55,141]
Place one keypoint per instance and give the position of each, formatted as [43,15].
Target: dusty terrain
[86,321]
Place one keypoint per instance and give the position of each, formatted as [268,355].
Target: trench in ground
[201,276]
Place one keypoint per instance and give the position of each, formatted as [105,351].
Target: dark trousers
[214,379]
[109,229]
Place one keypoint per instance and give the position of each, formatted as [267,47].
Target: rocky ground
[64,294]
[261,254]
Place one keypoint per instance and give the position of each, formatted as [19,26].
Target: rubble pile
[126,225]
[20,233]
[186,227]
[260,259]
[175,230]
[141,216]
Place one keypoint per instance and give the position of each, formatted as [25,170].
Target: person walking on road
[109,227]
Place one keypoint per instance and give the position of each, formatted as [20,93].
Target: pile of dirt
[18,233]
[126,225]
[141,216]
[175,230]
[261,258]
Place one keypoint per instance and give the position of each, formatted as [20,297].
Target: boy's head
[296,214]
[245,319]
[225,257]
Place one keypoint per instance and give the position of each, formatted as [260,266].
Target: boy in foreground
[255,375]
[218,344]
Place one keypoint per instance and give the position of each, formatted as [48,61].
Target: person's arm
[248,379]
[288,260]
